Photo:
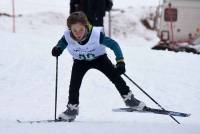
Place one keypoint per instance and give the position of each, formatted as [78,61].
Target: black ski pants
[103,64]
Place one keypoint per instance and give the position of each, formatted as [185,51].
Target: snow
[27,75]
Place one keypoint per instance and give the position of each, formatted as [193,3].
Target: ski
[153,110]
[41,121]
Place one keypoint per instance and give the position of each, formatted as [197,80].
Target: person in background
[95,10]
[87,46]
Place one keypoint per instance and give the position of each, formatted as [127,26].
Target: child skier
[87,45]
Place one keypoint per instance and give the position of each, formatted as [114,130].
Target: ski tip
[18,121]
[115,110]
[187,115]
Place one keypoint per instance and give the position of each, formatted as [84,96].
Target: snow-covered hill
[27,75]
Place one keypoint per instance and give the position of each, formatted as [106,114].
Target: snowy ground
[27,75]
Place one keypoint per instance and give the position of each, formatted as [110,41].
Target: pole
[56,88]
[149,96]
[109,23]
[13,15]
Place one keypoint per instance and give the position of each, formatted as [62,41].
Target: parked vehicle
[178,25]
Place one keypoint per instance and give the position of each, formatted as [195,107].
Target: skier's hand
[120,67]
[56,51]
[109,5]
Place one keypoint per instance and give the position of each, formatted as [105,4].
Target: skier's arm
[62,43]
[113,45]
[58,49]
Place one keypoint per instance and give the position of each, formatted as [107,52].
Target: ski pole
[149,96]
[109,23]
[56,88]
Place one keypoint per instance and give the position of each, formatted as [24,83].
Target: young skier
[87,46]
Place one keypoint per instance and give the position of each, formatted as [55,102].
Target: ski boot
[132,102]
[70,113]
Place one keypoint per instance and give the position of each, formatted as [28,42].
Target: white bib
[89,51]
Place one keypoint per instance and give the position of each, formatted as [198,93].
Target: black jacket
[97,8]
[86,5]
[91,7]
[78,5]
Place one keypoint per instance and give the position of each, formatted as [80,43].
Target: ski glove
[109,5]
[120,67]
[56,51]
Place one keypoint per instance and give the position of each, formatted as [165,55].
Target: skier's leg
[78,71]
[105,66]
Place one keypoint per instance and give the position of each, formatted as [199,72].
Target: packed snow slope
[27,75]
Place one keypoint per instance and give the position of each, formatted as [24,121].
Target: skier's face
[78,30]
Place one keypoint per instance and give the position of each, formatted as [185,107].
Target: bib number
[88,56]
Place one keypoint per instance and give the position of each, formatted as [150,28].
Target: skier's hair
[77,17]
